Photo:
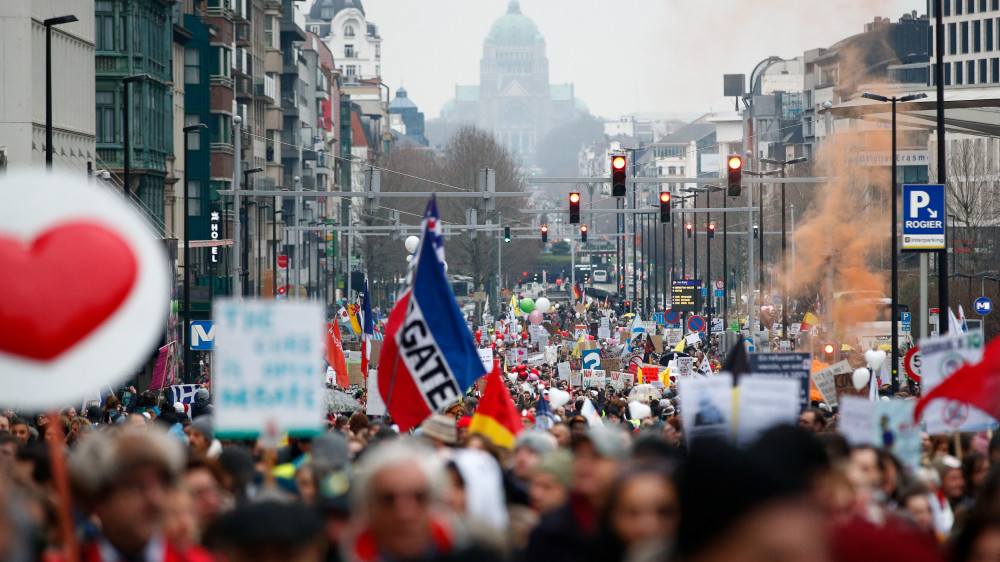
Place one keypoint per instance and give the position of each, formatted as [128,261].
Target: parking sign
[923,217]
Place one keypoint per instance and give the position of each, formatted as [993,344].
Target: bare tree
[973,193]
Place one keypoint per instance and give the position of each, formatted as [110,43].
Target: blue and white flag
[635,328]
[367,331]
[429,358]
[544,418]
[184,393]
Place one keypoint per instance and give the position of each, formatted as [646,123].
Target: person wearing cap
[551,481]
[124,480]
[574,531]
[530,447]
[201,406]
[439,430]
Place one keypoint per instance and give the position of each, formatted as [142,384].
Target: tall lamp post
[187,251]
[784,282]
[125,127]
[895,235]
[48,81]
[245,258]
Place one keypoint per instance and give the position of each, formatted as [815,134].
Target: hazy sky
[624,55]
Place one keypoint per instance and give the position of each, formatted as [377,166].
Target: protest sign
[551,354]
[618,380]
[650,373]
[708,406]
[785,365]
[268,359]
[576,379]
[692,339]
[591,358]
[486,356]
[657,343]
[685,367]
[940,357]
[674,337]
[563,369]
[598,378]
[375,405]
[765,402]
[826,384]
[857,420]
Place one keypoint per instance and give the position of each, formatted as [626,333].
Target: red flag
[977,385]
[496,416]
[335,354]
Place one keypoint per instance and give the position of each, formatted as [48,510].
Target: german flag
[577,294]
[496,417]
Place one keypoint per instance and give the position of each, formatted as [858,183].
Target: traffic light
[618,165]
[664,206]
[574,208]
[583,233]
[506,234]
[755,230]
[828,353]
[690,229]
[735,184]
[711,230]
[545,234]
[628,306]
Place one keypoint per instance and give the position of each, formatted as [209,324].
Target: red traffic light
[574,197]
[689,226]
[664,197]
[735,162]
[583,228]
[828,349]
[711,226]
[618,162]
[545,228]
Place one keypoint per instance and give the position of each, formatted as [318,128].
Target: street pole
[939,75]
[48,82]
[784,264]
[895,261]
[710,287]
[237,271]
[187,252]
[297,185]
[725,265]
[750,289]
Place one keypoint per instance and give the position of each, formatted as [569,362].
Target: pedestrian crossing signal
[506,234]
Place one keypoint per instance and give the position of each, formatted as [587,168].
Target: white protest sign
[617,380]
[551,354]
[85,292]
[692,339]
[563,369]
[598,378]
[486,356]
[375,405]
[708,406]
[685,367]
[826,384]
[940,357]
[674,337]
[354,356]
[588,380]
[795,328]
[267,355]
[576,379]
[857,420]
[604,330]
[765,403]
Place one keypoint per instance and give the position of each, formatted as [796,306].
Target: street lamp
[48,81]
[246,248]
[895,241]
[784,282]
[125,126]
[187,250]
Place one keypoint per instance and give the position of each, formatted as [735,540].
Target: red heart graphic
[57,291]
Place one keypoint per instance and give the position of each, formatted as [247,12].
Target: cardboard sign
[764,403]
[611,364]
[86,293]
[563,369]
[375,405]
[685,367]
[826,384]
[354,374]
[657,343]
[708,410]
[268,356]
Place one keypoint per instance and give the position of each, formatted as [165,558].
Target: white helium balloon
[558,398]
[411,243]
[875,358]
[543,305]
[860,378]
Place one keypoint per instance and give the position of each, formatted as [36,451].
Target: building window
[983,77]
[194,197]
[977,36]
[958,8]
[989,34]
[220,129]
[947,7]
[348,31]
[970,70]
[972,6]
[965,37]
[672,171]
[982,5]
[349,51]
[194,137]
[958,73]
[995,5]
[350,70]
[104,25]
[995,63]
[947,75]
[378,49]
[952,39]
[192,66]
[221,62]
[106,116]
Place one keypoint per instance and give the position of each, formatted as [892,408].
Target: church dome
[514,28]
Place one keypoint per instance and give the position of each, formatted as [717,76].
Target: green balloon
[527,305]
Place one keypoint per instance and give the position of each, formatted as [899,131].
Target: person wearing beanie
[551,481]
[201,439]
[201,406]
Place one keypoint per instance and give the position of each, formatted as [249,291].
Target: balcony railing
[265,86]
